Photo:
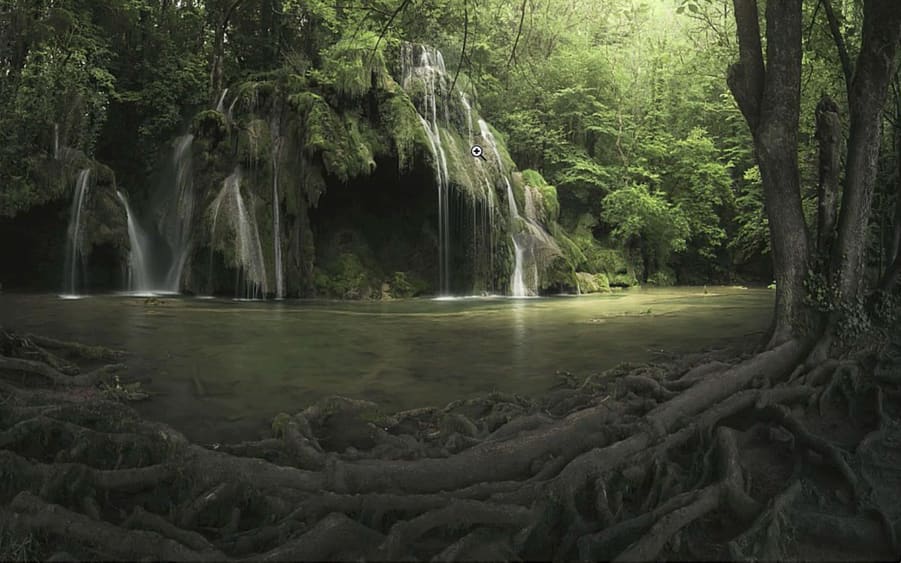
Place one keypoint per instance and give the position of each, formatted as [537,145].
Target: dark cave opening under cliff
[389,221]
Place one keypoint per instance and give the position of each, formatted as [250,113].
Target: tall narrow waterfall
[220,105]
[276,220]
[532,245]
[517,284]
[483,214]
[246,248]
[430,70]
[56,141]
[139,278]
[73,247]
[177,220]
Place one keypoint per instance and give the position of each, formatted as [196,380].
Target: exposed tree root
[35,515]
[50,373]
[613,468]
[99,353]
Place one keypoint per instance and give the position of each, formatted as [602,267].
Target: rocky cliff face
[355,180]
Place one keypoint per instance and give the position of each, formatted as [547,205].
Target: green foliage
[662,278]
[593,283]
[640,215]
[345,278]
[401,286]
[354,65]
[752,236]
[700,185]
[400,120]
[342,141]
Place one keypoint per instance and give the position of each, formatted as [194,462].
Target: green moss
[342,141]
[353,65]
[461,167]
[345,278]
[533,178]
[400,285]
[663,278]
[399,119]
[593,283]
[254,142]
[210,124]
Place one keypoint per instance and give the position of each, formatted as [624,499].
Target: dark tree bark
[216,71]
[769,96]
[829,136]
[869,90]
[847,69]
[890,277]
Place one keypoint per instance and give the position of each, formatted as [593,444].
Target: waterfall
[430,70]
[248,252]
[532,245]
[276,222]
[176,221]
[517,283]
[56,141]
[138,267]
[220,104]
[73,247]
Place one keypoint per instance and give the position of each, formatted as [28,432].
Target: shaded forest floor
[718,455]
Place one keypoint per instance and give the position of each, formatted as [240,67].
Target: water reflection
[219,364]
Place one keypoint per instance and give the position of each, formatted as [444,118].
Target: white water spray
[248,252]
[139,278]
[73,248]
[180,213]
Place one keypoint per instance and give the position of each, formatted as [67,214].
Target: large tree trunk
[893,255]
[770,97]
[869,89]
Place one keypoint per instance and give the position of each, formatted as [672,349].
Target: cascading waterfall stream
[517,283]
[276,220]
[482,223]
[430,70]
[177,227]
[73,247]
[220,105]
[248,252]
[139,278]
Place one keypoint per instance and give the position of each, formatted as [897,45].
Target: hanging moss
[354,65]
[254,143]
[344,150]
[399,119]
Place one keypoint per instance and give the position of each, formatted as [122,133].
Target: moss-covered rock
[662,278]
[347,278]
[210,124]
[593,283]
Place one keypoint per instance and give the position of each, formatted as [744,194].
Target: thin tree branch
[400,8]
[522,19]
[847,68]
[463,50]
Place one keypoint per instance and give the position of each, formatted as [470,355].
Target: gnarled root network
[641,463]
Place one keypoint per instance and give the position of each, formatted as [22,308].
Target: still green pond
[220,368]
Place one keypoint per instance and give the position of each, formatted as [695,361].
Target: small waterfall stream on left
[73,246]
